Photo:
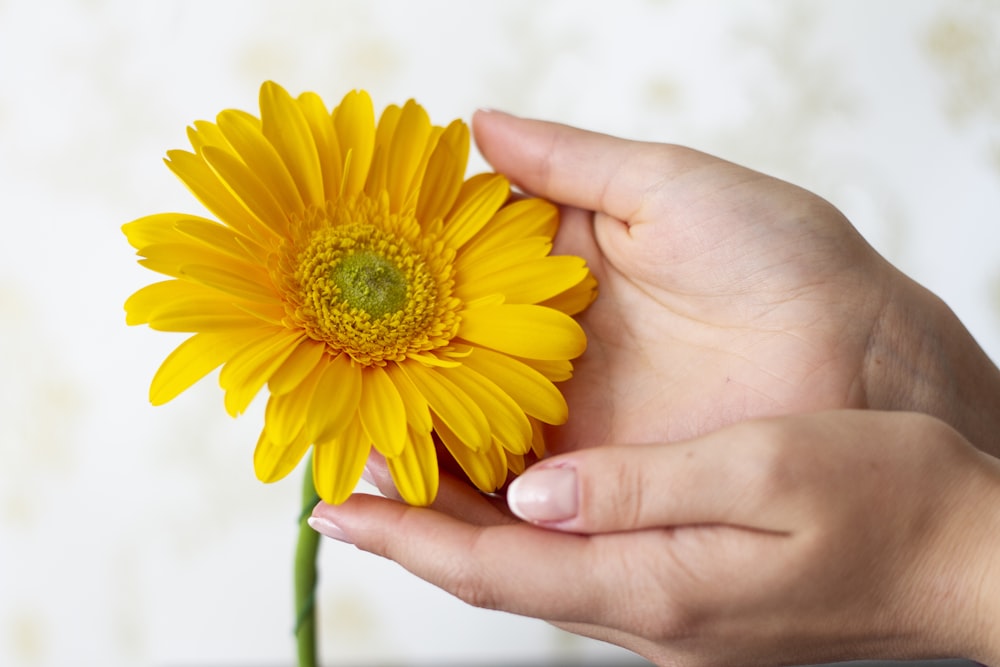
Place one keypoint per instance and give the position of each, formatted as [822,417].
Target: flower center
[368,282]
[371,283]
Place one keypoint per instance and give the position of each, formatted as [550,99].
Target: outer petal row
[523,330]
[285,126]
[338,463]
[532,281]
[415,470]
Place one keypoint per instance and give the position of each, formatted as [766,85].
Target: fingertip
[370,522]
[485,117]
[328,528]
[488,130]
[564,164]
[488,113]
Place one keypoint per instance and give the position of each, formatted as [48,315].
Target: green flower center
[368,282]
[371,283]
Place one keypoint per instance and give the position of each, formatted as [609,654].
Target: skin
[751,344]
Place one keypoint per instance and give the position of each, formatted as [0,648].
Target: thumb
[622,488]
[574,167]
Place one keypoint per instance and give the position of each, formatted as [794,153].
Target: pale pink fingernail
[489,111]
[544,495]
[324,526]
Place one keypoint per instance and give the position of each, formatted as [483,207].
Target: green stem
[305,575]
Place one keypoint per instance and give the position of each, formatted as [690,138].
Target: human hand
[819,537]
[726,294]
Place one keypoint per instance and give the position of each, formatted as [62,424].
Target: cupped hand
[726,294]
[818,537]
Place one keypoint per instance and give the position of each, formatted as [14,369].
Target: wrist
[921,358]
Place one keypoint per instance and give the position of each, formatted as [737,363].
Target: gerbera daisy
[383,299]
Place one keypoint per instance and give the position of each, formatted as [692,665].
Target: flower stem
[305,575]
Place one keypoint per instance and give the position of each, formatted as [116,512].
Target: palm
[710,311]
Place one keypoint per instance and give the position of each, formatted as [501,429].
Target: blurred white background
[139,536]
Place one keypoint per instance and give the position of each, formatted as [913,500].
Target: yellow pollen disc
[367,283]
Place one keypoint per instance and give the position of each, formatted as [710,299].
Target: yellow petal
[515,463]
[524,330]
[517,252]
[299,365]
[451,405]
[538,441]
[286,128]
[249,369]
[537,452]
[205,133]
[417,412]
[335,400]
[321,126]
[247,186]
[194,318]
[407,154]
[272,312]
[273,461]
[169,258]
[445,173]
[508,423]
[479,198]
[576,299]
[242,284]
[528,282]
[417,183]
[285,415]
[536,395]
[385,129]
[215,195]
[496,456]
[142,306]
[260,156]
[518,220]
[556,370]
[354,122]
[220,238]
[337,464]
[193,359]
[178,305]
[432,360]
[382,412]
[415,470]
[487,468]
[378,173]
[155,229]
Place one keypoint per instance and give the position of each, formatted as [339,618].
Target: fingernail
[324,526]
[489,111]
[544,495]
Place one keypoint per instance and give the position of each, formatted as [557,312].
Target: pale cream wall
[138,536]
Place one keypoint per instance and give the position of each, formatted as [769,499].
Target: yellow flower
[383,299]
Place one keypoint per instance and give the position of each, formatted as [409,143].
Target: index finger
[504,567]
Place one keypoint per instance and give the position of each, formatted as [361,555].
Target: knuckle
[470,587]
[662,588]
[768,466]
[467,579]
[471,592]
